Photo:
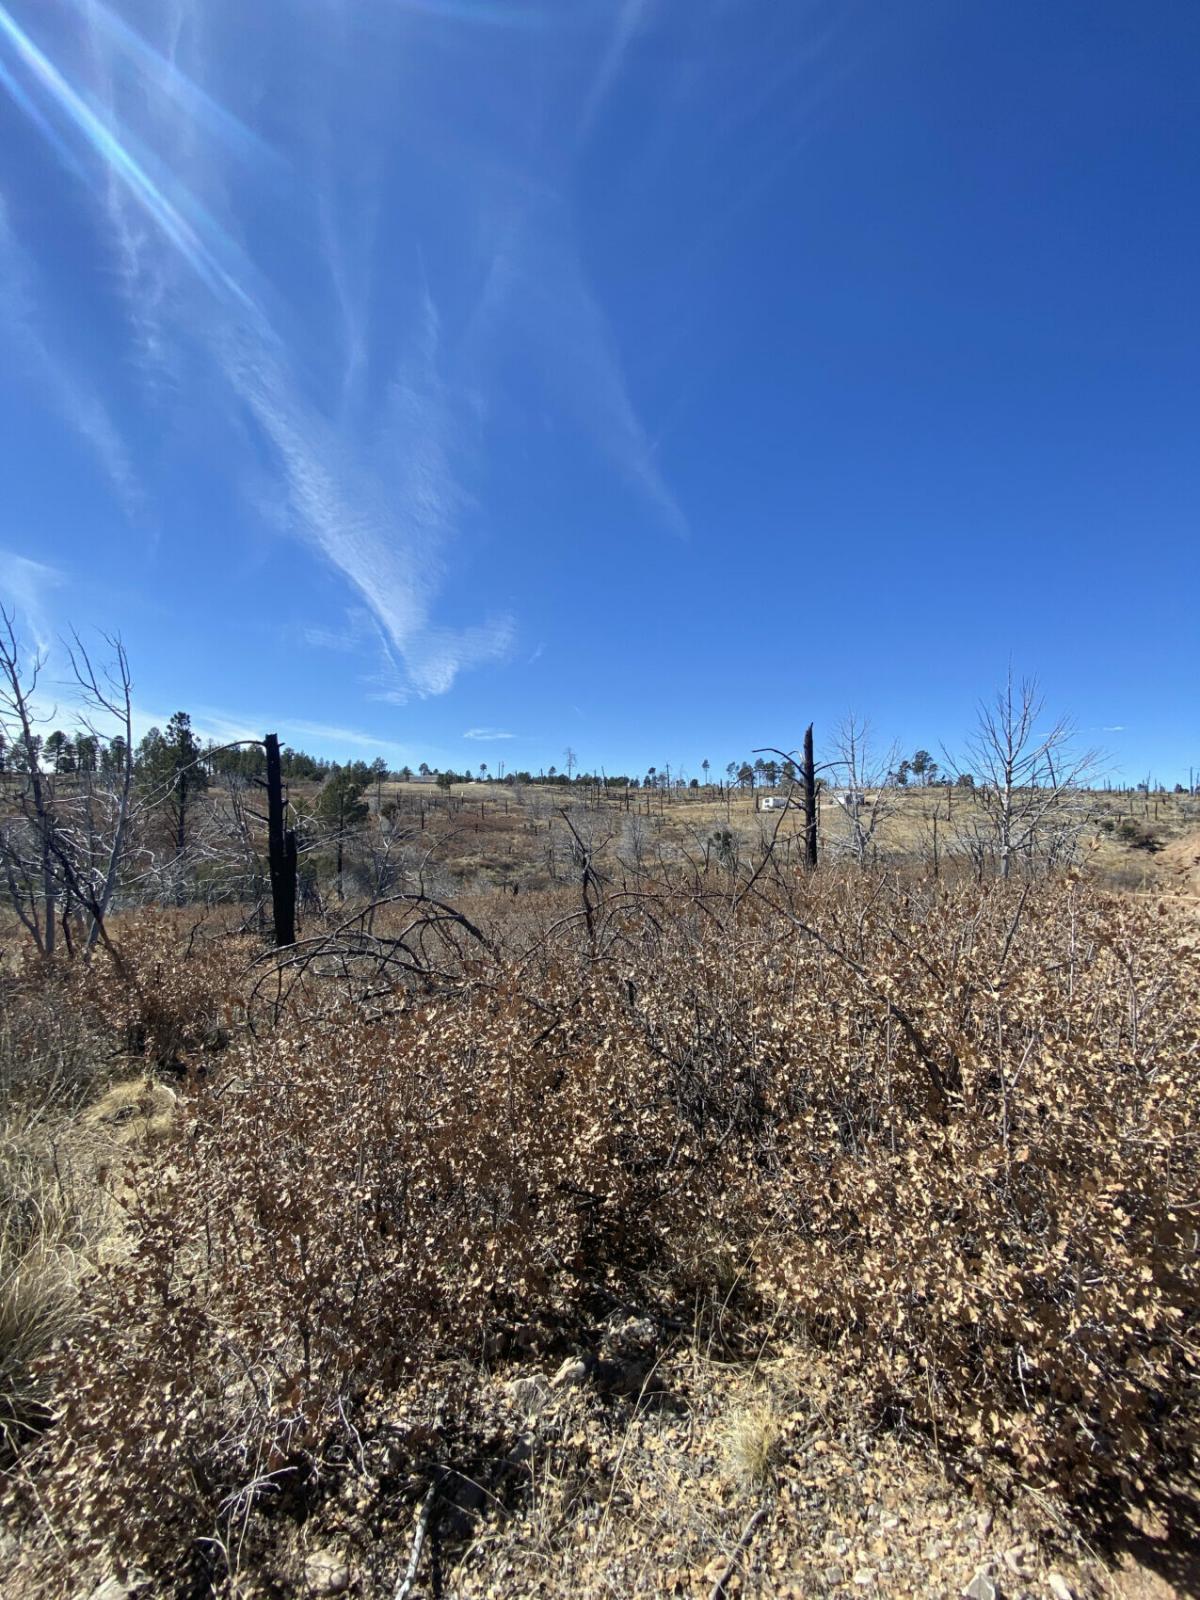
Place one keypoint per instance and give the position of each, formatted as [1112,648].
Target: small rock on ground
[981,1587]
[326,1572]
[573,1371]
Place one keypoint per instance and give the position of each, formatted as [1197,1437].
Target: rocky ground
[642,1470]
[646,1465]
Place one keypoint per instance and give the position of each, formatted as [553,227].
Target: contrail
[177,229]
[491,12]
[47,131]
[168,77]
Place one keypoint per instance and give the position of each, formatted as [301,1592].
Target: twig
[942,1081]
[1012,932]
[718,1589]
[414,1560]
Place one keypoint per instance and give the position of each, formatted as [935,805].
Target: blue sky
[644,376]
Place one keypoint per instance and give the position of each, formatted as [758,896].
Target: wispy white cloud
[1117,727]
[630,19]
[66,389]
[159,74]
[389,679]
[334,733]
[538,296]
[487,735]
[350,296]
[373,477]
[25,589]
[229,727]
[163,142]
[143,268]
[195,236]
[383,516]
[603,391]
[223,727]
[346,641]
[486,13]
[384,523]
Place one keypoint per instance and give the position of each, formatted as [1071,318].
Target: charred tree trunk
[281,851]
[810,801]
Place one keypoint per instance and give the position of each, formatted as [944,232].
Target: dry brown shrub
[51,1062]
[338,1214]
[1018,1267]
[39,1239]
[951,1133]
[165,993]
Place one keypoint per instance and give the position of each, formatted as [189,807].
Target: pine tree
[341,809]
[170,769]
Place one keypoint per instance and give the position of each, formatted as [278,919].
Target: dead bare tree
[108,693]
[1030,779]
[384,847]
[636,842]
[585,847]
[64,840]
[27,840]
[811,817]
[865,801]
[281,849]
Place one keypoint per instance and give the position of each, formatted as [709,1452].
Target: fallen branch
[410,1573]
[718,1589]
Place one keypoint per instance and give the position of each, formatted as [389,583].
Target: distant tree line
[93,820]
[176,750]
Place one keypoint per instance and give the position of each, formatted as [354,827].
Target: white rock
[1059,1587]
[110,1589]
[528,1394]
[326,1572]
[574,1370]
[1017,1559]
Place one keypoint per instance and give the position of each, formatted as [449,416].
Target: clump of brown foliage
[162,992]
[952,1132]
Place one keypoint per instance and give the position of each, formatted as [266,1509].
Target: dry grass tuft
[134,1112]
[750,1439]
[51,1215]
[54,1214]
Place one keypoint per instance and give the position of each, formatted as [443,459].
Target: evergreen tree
[60,752]
[112,756]
[170,770]
[341,809]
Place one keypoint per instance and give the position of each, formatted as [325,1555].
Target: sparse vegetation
[571,1108]
[944,1137]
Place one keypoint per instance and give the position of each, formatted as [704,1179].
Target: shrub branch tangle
[952,1131]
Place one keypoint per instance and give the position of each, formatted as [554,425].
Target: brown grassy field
[499,836]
